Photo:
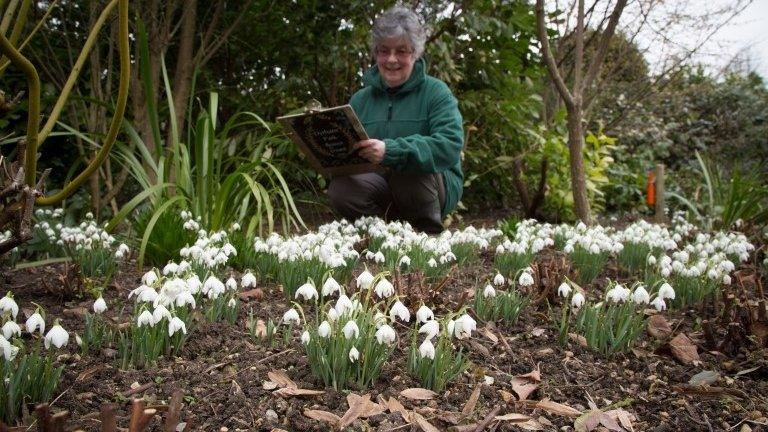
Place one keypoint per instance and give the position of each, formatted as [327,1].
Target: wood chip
[256,294]
[88,372]
[579,339]
[658,327]
[472,401]
[293,391]
[507,396]
[281,378]
[417,393]
[683,349]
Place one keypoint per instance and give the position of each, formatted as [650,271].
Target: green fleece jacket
[420,124]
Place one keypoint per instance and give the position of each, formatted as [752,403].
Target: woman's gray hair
[398,22]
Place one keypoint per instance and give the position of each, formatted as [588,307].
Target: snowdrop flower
[431,328]
[99,306]
[145,318]
[666,291]
[726,280]
[405,260]
[10,329]
[641,296]
[577,300]
[354,354]
[658,303]
[424,314]
[651,260]
[9,351]
[332,315]
[232,303]
[193,284]
[351,330]
[525,279]
[324,329]
[343,305]
[8,305]
[463,326]
[307,291]
[398,310]
[426,349]
[618,294]
[498,280]
[149,278]
[564,290]
[231,283]
[379,319]
[384,288]
[379,257]
[385,335]
[489,291]
[34,322]
[365,280]
[330,286]
[186,298]
[248,280]
[159,313]
[56,336]
[305,337]
[291,316]
[171,267]
[176,324]
[432,262]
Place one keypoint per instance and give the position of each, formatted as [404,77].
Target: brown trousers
[413,197]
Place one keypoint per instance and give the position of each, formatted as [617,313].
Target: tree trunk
[185,65]
[576,157]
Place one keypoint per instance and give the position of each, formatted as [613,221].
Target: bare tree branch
[549,60]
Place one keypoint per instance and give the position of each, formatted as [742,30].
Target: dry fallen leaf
[323,416]
[658,327]
[256,294]
[489,334]
[538,331]
[418,393]
[513,417]
[507,396]
[623,416]
[281,378]
[357,405]
[534,375]
[261,329]
[579,339]
[704,378]
[523,388]
[422,422]
[472,401]
[557,408]
[88,372]
[683,349]
[369,408]
[293,391]
[394,405]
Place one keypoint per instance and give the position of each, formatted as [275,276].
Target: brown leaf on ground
[394,405]
[489,334]
[472,401]
[256,294]
[418,393]
[281,378]
[369,407]
[523,387]
[293,391]
[357,406]
[623,416]
[706,377]
[507,396]
[88,372]
[261,329]
[683,349]
[420,421]
[534,375]
[513,417]
[323,416]
[479,348]
[557,408]
[579,339]
[658,327]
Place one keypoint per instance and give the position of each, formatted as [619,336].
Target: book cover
[326,137]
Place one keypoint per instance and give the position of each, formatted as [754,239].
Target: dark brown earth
[221,370]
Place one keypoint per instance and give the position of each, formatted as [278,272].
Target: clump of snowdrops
[495,302]
[530,238]
[589,250]
[642,240]
[27,373]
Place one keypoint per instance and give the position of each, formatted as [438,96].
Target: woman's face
[395,58]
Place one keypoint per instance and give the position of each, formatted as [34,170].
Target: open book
[326,136]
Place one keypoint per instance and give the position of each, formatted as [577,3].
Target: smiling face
[395,58]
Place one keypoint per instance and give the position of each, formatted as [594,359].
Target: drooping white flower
[35,322]
[651,260]
[10,328]
[176,324]
[398,310]
[324,329]
[99,306]
[577,300]
[564,290]
[498,280]
[464,326]
[305,337]
[307,291]
[424,314]
[159,313]
[56,336]
[169,268]
[351,330]
[384,288]
[432,263]
[658,303]
[489,291]
[330,286]
[231,283]
[8,305]
[385,334]
[641,296]
[427,350]
[726,280]
[617,294]
[525,279]
[8,350]
[185,298]
[365,280]
[344,305]
[405,260]
[145,318]
[354,354]
[332,314]
[248,280]
[379,319]
[431,328]
[149,278]
[232,303]
[291,316]
[666,291]
[193,284]
[213,287]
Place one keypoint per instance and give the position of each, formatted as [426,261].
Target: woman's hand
[372,149]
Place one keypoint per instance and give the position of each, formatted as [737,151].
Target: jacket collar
[372,78]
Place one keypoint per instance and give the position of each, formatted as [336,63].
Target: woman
[416,131]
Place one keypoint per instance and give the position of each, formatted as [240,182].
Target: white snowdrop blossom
[332,315]
[498,280]
[431,328]
[405,261]
[726,280]
[432,262]
[232,303]
[160,313]
[641,296]
[464,326]
[618,294]
[56,336]
[99,306]
[248,280]
[658,303]
[186,298]
[427,350]
[213,287]
[386,335]
[666,291]
[525,279]
[398,310]
[324,329]
[424,314]
[489,291]
[176,324]
[351,330]
[354,354]
[291,316]
[344,305]
[9,351]
[305,337]
[330,286]
[307,291]
[8,305]
[231,284]
[35,322]
[10,328]
[578,300]
[365,280]
[564,290]
[384,288]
